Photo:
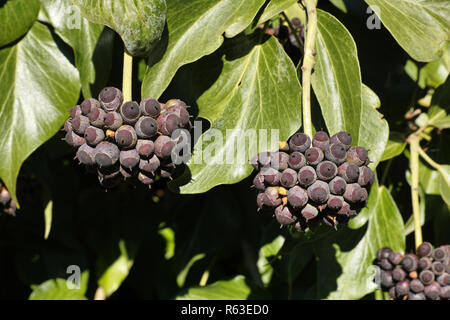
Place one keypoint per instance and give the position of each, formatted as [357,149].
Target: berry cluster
[126,139]
[7,205]
[421,276]
[306,181]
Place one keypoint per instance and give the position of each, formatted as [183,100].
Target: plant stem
[414,166]
[127,76]
[308,64]
[430,161]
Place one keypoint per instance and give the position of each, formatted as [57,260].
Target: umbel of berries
[7,204]
[126,139]
[421,276]
[308,181]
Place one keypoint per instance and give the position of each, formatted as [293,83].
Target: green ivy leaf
[234,289]
[345,268]
[445,183]
[419,26]
[77,32]
[195,29]
[345,102]
[275,7]
[266,253]
[16,18]
[257,89]
[140,23]
[395,145]
[39,86]
[58,289]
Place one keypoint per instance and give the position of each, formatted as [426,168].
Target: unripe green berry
[94,135]
[321,140]
[150,107]
[314,156]
[89,104]
[326,170]
[110,99]
[342,137]
[318,192]
[80,124]
[299,142]
[288,178]
[297,197]
[337,186]
[86,155]
[336,153]
[146,127]
[164,146]
[145,148]
[284,215]
[125,136]
[306,176]
[349,172]
[296,160]
[106,154]
[113,120]
[130,112]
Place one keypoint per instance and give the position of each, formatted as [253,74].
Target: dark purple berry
[181,113]
[86,155]
[392,292]
[337,186]
[75,112]
[386,279]
[145,148]
[130,112]
[109,182]
[321,140]
[306,176]
[445,292]
[357,155]
[349,172]
[258,182]
[271,176]
[444,279]
[297,197]
[402,288]
[89,104]
[5,196]
[106,154]
[319,192]
[128,173]
[261,160]
[433,290]
[94,135]
[125,136]
[97,117]
[416,296]
[439,254]
[288,178]
[110,99]
[296,160]
[336,153]
[395,258]
[129,158]
[80,124]
[279,160]
[146,127]
[410,262]
[424,263]
[314,156]
[353,193]
[113,120]
[73,139]
[438,268]
[335,202]
[385,264]
[299,142]
[416,286]
[383,253]
[146,179]
[150,107]
[168,123]
[272,198]
[68,125]
[342,137]
[398,274]
[345,210]
[426,276]
[425,249]
[309,212]
[284,215]
[366,176]
[326,170]
[150,165]
[175,102]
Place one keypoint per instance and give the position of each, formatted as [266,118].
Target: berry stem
[127,76]
[414,166]
[308,64]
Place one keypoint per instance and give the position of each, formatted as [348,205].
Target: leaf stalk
[127,78]
[414,166]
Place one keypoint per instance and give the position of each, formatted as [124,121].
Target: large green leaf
[275,7]
[420,26]
[234,289]
[39,86]
[16,18]
[257,89]
[195,29]
[395,146]
[345,102]
[345,267]
[79,33]
[140,23]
